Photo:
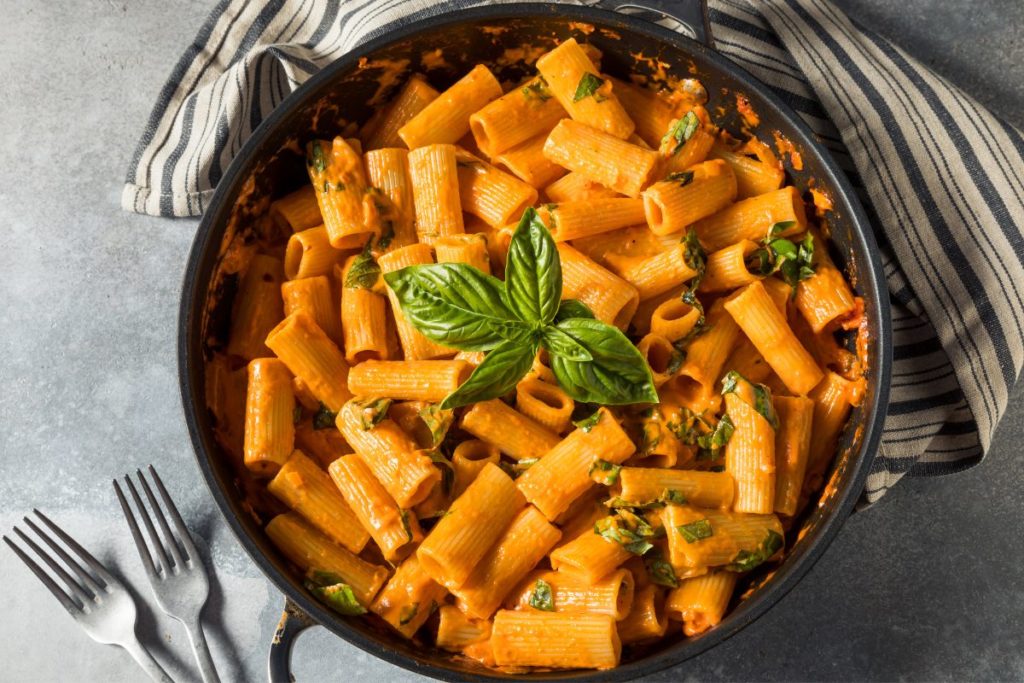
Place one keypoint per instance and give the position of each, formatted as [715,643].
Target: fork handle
[141,655]
[202,652]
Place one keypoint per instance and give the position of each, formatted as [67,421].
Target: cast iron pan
[343,88]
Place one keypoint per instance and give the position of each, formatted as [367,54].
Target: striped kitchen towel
[942,178]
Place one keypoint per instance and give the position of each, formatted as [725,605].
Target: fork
[179,581]
[99,602]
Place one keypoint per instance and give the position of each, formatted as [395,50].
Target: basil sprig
[459,306]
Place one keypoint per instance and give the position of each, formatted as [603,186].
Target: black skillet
[620,35]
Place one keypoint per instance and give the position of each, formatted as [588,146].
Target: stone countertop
[928,584]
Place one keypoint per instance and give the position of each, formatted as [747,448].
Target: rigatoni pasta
[633,382]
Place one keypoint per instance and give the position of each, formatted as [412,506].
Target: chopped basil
[649,438]
[387,233]
[408,613]
[542,597]
[372,411]
[628,530]
[588,86]
[710,445]
[620,502]
[327,187]
[316,158]
[696,531]
[589,422]
[695,257]
[323,418]
[364,271]
[660,571]
[746,560]
[682,130]
[673,496]
[796,261]
[604,472]
[762,396]
[537,90]
[334,592]
[404,514]
[761,261]
[514,469]
[684,178]
[778,228]
[438,421]
[296,414]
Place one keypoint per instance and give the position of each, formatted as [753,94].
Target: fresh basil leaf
[682,130]
[618,373]
[514,469]
[542,597]
[335,593]
[684,178]
[560,344]
[387,233]
[629,530]
[777,229]
[660,571]
[537,90]
[797,262]
[746,560]
[438,421]
[572,308]
[604,472]
[587,86]
[695,257]
[696,531]
[711,444]
[533,272]
[373,411]
[408,613]
[761,261]
[496,375]
[364,271]
[674,497]
[324,418]
[762,396]
[589,422]
[315,156]
[456,305]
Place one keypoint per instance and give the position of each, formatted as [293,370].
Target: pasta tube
[408,380]
[309,253]
[522,113]
[491,194]
[305,488]
[703,489]
[269,417]
[701,602]
[446,119]
[408,598]
[792,449]
[684,198]
[612,299]
[603,158]
[413,98]
[509,431]
[312,296]
[612,595]
[312,356]
[751,219]
[582,218]
[257,308]
[414,345]
[544,403]
[296,211]
[388,170]
[336,171]
[435,191]
[648,618]
[535,638]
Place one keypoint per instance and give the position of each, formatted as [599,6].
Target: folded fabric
[941,178]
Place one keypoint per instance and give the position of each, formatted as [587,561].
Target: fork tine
[70,605]
[82,553]
[140,543]
[158,547]
[179,523]
[161,519]
[82,574]
[73,586]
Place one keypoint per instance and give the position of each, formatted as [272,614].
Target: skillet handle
[686,16]
[279,660]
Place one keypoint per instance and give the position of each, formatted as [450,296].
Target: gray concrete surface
[927,585]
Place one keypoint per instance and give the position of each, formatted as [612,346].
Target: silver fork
[99,602]
[180,584]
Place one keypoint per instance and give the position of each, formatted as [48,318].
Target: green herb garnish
[438,421]
[373,411]
[695,257]
[660,571]
[537,90]
[408,613]
[629,530]
[334,592]
[542,597]
[588,86]
[457,305]
[404,514]
[674,497]
[746,560]
[364,271]
[604,472]
[696,531]
[589,422]
[323,418]
[684,178]
[711,444]
[682,130]
[762,396]
[315,157]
